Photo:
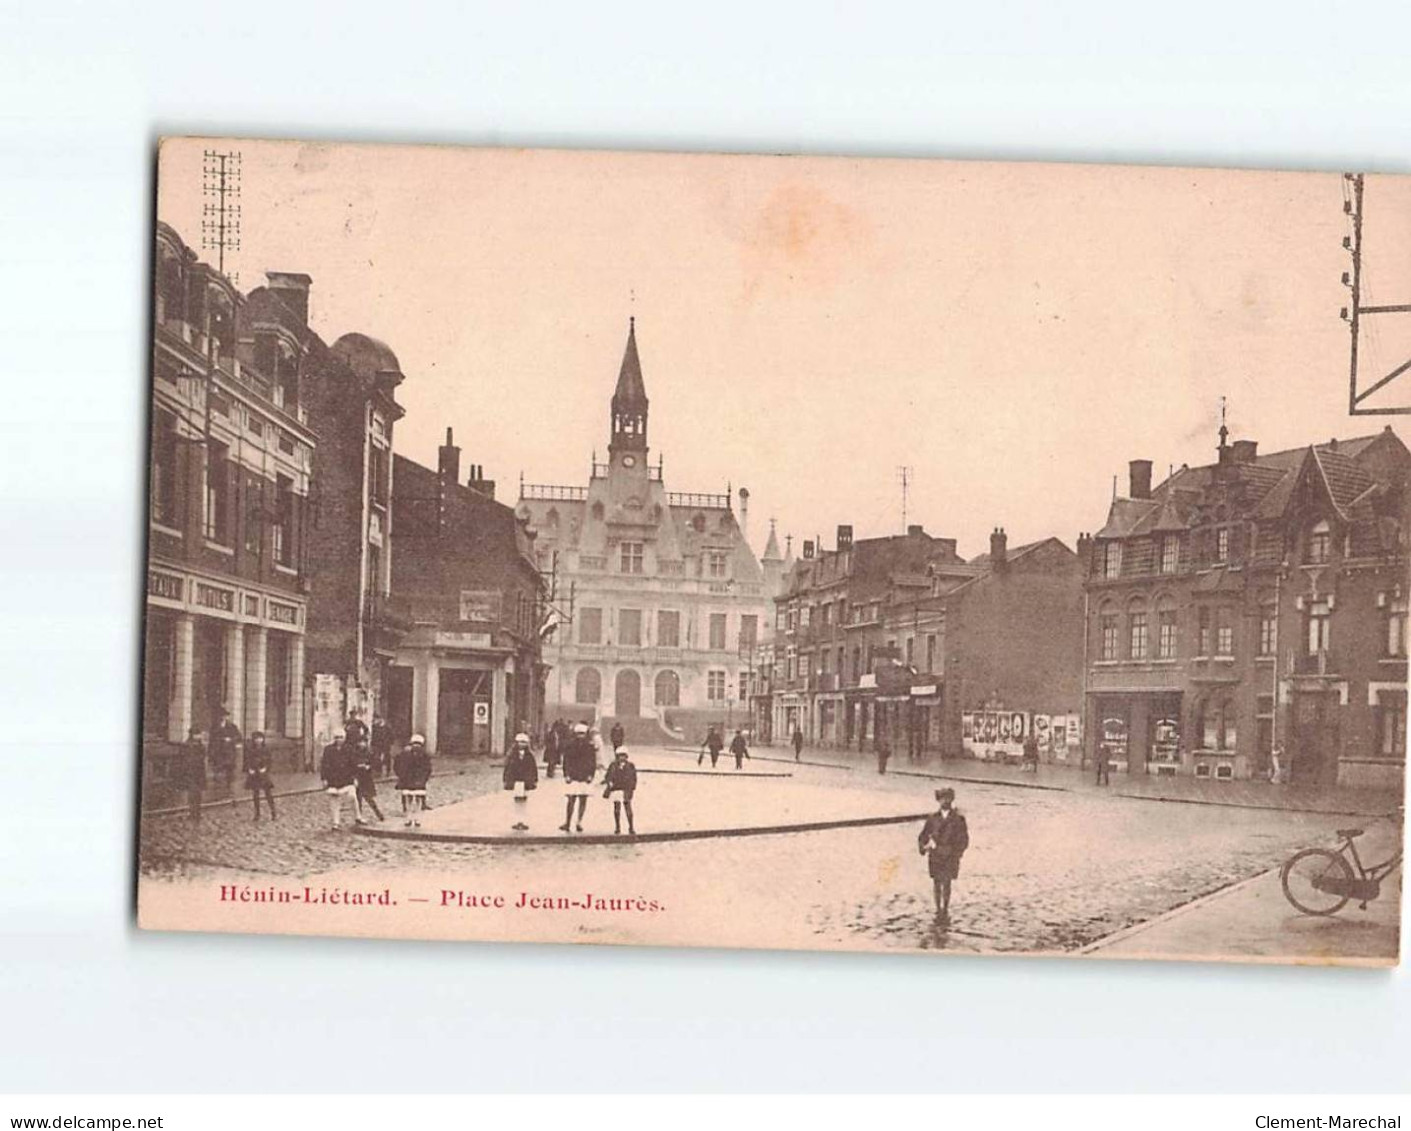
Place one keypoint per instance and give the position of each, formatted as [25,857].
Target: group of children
[577,752]
[349,771]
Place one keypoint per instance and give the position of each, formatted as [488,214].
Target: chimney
[1244,451]
[915,530]
[293,289]
[745,512]
[1139,479]
[808,548]
[844,538]
[449,463]
[1085,549]
[999,548]
[478,482]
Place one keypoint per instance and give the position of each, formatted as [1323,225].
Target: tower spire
[629,400]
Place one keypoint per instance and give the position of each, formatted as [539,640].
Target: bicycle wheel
[1306,877]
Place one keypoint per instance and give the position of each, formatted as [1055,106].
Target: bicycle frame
[1374,872]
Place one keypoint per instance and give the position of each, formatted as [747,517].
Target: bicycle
[1321,881]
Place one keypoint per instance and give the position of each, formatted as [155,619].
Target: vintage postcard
[740,551]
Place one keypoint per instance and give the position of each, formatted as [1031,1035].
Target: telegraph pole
[1352,193]
[220,216]
[904,476]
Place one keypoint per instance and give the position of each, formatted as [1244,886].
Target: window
[164,493]
[717,630]
[1391,723]
[1112,560]
[1218,728]
[1202,641]
[1320,621]
[1136,634]
[715,687]
[1108,627]
[856,664]
[377,474]
[1320,544]
[668,689]
[668,629]
[910,650]
[588,687]
[931,652]
[744,687]
[374,570]
[1224,633]
[590,631]
[629,627]
[215,517]
[1396,627]
[824,662]
[825,615]
[1166,633]
[631,557]
[282,531]
[716,563]
[1170,553]
[1222,544]
[749,631]
[1268,630]
[790,665]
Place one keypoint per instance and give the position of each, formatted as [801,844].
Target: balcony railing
[705,502]
[551,493]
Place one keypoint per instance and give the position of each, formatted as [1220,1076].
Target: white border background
[92,1005]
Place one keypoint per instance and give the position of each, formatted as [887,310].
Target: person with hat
[365,778]
[740,748]
[339,773]
[191,771]
[619,784]
[521,773]
[413,771]
[617,734]
[945,837]
[580,766]
[225,747]
[713,744]
[257,775]
[379,741]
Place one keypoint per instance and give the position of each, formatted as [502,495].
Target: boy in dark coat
[365,778]
[521,773]
[618,735]
[225,745]
[580,765]
[413,770]
[945,836]
[339,776]
[380,743]
[192,771]
[620,783]
[257,773]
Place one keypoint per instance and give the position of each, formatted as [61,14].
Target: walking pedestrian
[192,772]
[257,773]
[945,837]
[714,743]
[1104,776]
[740,748]
[355,730]
[620,783]
[365,779]
[225,749]
[521,775]
[798,743]
[338,772]
[580,766]
[380,741]
[413,770]
[618,735]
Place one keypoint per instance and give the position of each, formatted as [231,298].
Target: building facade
[1252,606]
[467,597]
[232,463]
[661,599]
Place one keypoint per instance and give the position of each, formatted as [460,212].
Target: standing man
[365,780]
[740,748]
[798,742]
[619,784]
[257,773]
[192,772]
[884,755]
[337,771]
[355,730]
[413,772]
[225,747]
[1031,754]
[1103,768]
[380,741]
[945,836]
[521,774]
[617,734]
[580,766]
[553,748]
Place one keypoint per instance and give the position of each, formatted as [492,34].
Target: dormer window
[1320,544]
[1222,545]
[1112,560]
[1170,553]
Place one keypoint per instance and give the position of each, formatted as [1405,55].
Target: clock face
[629,461]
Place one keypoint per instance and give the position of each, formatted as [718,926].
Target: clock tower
[627,450]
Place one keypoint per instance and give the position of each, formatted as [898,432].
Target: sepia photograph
[803,553]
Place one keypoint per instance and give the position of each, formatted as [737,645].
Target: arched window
[1320,543]
[1138,630]
[171,286]
[1165,628]
[552,518]
[1107,631]
[668,689]
[588,687]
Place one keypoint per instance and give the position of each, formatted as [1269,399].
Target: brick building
[1254,604]
[231,472]
[667,598]
[466,670]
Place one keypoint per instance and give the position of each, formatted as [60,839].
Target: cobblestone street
[1048,870]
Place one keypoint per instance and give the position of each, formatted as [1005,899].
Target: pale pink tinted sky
[1013,333]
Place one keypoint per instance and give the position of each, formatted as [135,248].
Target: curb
[1195,904]
[233,801]
[640,838]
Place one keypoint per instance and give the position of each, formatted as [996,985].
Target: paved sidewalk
[1338,800]
[1253,920]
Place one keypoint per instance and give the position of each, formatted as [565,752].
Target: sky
[1012,334]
